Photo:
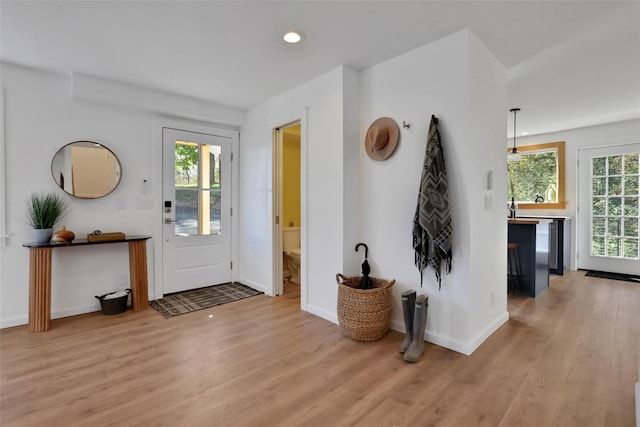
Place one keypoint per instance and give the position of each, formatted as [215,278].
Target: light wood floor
[566,358]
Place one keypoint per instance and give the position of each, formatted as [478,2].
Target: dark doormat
[198,299]
[614,276]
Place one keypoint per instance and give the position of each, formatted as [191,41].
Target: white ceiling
[570,64]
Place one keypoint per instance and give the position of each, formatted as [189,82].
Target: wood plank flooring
[567,358]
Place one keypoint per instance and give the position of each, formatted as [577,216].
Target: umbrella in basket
[365,281]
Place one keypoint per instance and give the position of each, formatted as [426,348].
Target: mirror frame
[70,144]
[551,146]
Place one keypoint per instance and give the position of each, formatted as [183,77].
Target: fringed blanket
[432,221]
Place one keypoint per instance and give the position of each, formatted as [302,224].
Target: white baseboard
[14,321]
[445,341]
[75,311]
[321,312]
[482,336]
[57,314]
[637,404]
[435,338]
[255,285]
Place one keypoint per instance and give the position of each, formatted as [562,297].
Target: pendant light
[514,155]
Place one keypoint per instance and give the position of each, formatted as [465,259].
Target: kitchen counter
[545,216]
[559,241]
[523,221]
[533,236]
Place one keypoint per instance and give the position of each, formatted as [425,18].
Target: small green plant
[45,209]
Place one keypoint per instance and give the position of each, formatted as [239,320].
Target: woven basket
[364,314]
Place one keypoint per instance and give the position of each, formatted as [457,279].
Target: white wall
[352,203]
[320,104]
[588,137]
[41,115]
[460,82]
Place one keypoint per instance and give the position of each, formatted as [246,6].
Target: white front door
[196,209]
[608,220]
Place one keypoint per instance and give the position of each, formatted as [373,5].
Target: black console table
[40,277]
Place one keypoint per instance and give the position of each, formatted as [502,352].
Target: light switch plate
[488,202]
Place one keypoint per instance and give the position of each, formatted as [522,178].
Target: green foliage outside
[615,215]
[186,164]
[186,167]
[531,176]
[188,195]
[186,176]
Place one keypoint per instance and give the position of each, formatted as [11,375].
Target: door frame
[160,122]
[276,197]
[583,213]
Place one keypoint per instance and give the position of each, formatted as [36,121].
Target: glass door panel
[614,210]
[198,191]
[607,212]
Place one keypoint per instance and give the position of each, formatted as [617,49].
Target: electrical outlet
[493,298]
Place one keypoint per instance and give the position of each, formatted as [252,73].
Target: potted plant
[43,211]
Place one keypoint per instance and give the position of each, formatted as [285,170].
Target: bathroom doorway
[287,210]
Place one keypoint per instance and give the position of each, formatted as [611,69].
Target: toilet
[291,252]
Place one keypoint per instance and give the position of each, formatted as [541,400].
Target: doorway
[196,208]
[608,217]
[287,207]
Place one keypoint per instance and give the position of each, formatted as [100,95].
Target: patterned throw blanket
[432,221]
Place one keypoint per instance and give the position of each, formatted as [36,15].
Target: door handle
[169,220]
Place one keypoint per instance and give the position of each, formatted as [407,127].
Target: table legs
[138,275]
[39,289]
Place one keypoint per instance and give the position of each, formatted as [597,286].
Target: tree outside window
[536,181]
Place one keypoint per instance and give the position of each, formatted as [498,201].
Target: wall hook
[406,125]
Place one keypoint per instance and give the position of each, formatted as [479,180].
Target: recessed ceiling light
[524,133]
[292,37]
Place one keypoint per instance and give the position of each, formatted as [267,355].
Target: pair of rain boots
[415,320]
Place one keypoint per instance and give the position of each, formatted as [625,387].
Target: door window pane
[197,189]
[615,186]
[186,189]
[215,192]
[597,246]
[615,165]
[614,246]
[599,186]
[630,248]
[631,163]
[614,206]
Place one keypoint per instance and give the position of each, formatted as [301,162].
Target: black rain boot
[415,350]
[408,303]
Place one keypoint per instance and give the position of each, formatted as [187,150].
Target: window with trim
[536,180]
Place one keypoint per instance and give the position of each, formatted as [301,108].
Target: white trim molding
[3,177]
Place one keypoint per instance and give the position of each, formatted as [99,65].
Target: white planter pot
[42,235]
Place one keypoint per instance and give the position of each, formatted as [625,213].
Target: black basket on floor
[114,305]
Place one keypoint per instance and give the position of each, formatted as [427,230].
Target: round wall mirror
[86,169]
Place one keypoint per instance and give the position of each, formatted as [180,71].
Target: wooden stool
[514,274]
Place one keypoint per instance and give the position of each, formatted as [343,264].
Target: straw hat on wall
[382,138]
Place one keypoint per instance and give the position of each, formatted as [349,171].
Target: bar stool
[514,274]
